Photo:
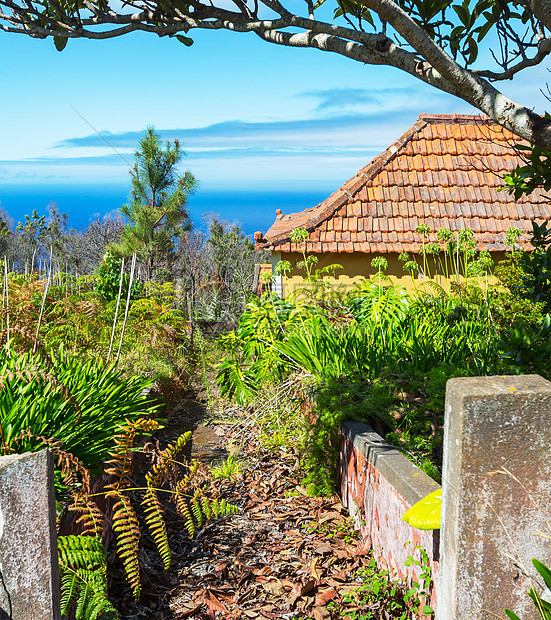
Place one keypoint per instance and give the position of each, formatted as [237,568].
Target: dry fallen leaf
[275,587]
[323,549]
[364,546]
[314,570]
[189,609]
[324,596]
[321,613]
[208,598]
[300,589]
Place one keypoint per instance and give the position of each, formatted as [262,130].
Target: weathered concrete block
[28,543]
[378,484]
[496,495]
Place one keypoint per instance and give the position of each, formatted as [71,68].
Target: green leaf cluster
[83,574]
[80,403]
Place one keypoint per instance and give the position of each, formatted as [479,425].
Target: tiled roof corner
[445,171]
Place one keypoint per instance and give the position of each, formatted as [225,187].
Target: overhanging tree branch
[439,46]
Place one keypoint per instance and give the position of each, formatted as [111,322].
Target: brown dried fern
[120,464]
[91,518]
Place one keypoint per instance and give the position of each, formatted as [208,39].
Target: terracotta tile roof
[445,171]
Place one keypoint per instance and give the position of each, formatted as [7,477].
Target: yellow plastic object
[426,513]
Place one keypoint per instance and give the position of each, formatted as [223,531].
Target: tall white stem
[132,268]
[7,300]
[116,312]
[42,308]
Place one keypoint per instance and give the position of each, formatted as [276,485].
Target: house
[446,171]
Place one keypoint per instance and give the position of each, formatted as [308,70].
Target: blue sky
[251,115]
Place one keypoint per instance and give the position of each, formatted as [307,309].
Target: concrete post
[496,496]
[29,584]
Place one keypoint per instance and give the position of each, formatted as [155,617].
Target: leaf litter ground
[284,555]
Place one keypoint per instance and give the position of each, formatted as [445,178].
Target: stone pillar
[29,584]
[496,496]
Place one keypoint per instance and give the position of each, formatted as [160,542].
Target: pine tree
[157,211]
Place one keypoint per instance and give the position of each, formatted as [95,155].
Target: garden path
[284,555]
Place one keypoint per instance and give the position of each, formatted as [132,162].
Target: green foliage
[80,403]
[233,257]
[527,346]
[536,267]
[420,590]
[455,261]
[108,280]
[83,574]
[381,590]
[533,173]
[329,351]
[255,360]
[183,483]
[342,398]
[78,318]
[378,333]
[30,235]
[229,468]
[375,305]
[315,288]
[157,211]
[381,333]
[543,607]
[502,299]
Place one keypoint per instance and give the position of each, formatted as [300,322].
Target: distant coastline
[254,209]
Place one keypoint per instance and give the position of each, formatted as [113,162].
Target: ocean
[252,209]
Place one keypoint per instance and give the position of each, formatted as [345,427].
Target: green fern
[165,462]
[156,525]
[196,509]
[83,573]
[152,506]
[186,490]
[127,529]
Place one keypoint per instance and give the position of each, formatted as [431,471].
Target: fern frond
[120,464]
[437,289]
[127,530]
[156,524]
[206,507]
[182,506]
[196,509]
[70,585]
[85,594]
[91,518]
[215,507]
[83,572]
[165,460]
[81,552]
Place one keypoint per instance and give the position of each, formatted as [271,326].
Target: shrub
[80,403]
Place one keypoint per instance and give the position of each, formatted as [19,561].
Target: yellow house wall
[357,267]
